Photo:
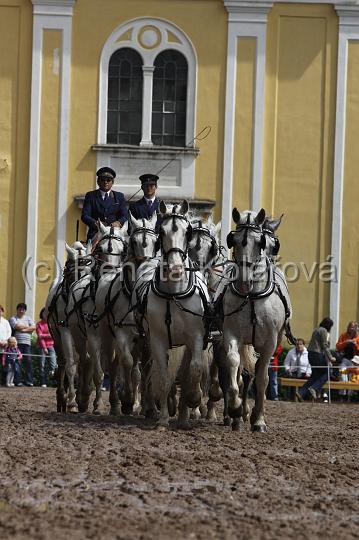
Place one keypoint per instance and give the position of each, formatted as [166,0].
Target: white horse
[107,258]
[174,299]
[57,318]
[206,252]
[256,308]
[117,330]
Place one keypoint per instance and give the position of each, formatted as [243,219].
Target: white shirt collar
[151,199]
[103,193]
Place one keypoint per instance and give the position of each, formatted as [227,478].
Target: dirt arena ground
[84,476]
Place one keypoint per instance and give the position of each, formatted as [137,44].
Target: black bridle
[110,237]
[145,232]
[182,252]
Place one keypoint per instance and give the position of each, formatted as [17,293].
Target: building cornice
[53,7]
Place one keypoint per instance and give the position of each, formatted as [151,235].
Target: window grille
[169,104]
[124,113]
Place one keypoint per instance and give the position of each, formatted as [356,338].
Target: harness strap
[168,322]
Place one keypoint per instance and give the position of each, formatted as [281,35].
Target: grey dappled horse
[117,332]
[171,312]
[56,313]
[256,309]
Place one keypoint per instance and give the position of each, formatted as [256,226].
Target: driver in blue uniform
[104,204]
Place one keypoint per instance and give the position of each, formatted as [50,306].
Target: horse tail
[248,358]
[288,333]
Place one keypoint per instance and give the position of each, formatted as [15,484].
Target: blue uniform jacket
[140,209]
[107,211]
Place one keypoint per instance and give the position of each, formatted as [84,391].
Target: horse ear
[69,249]
[153,220]
[132,220]
[184,207]
[274,223]
[217,228]
[163,208]
[101,227]
[230,242]
[124,228]
[260,217]
[235,215]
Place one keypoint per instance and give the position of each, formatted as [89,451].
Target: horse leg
[215,392]
[261,375]
[193,394]
[246,384]
[67,344]
[94,348]
[124,353]
[160,383]
[233,364]
[183,413]
[211,411]
[136,382]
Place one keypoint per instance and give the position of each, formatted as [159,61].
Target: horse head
[142,244]
[204,245]
[248,242]
[175,235]
[111,246]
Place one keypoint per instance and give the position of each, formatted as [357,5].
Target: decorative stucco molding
[348,30]
[245,19]
[52,15]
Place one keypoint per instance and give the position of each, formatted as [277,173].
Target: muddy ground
[82,476]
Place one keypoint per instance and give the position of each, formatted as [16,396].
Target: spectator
[320,357]
[296,363]
[346,362]
[272,390]
[46,345]
[350,336]
[11,357]
[23,326]
[5,333]
[5,330]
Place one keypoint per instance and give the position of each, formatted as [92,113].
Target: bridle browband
[110,236]
[175,216]
[144,231]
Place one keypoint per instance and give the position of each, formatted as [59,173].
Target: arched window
[169,104]
[124,113]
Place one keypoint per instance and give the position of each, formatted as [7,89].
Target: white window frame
[149,37]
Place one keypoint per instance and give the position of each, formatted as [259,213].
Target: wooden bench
[334,385]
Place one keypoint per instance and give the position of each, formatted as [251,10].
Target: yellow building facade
[271,89]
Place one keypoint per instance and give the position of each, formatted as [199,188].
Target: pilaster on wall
[245,19]
[348,31]
[48,15]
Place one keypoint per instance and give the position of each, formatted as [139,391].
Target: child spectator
[272,389]
[46,345]
[11,357]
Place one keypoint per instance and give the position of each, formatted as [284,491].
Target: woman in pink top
[46,346]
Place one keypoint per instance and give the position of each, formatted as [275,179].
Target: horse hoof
[184,425]
[193,401]
[161,427]
[83,408]
[235,425]
[115,411]
[127,408]
[151,414]
[227,421]
[235,412]
[73,409]
[97,412]
[259,428]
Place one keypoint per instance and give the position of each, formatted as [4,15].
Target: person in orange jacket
[350,336]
